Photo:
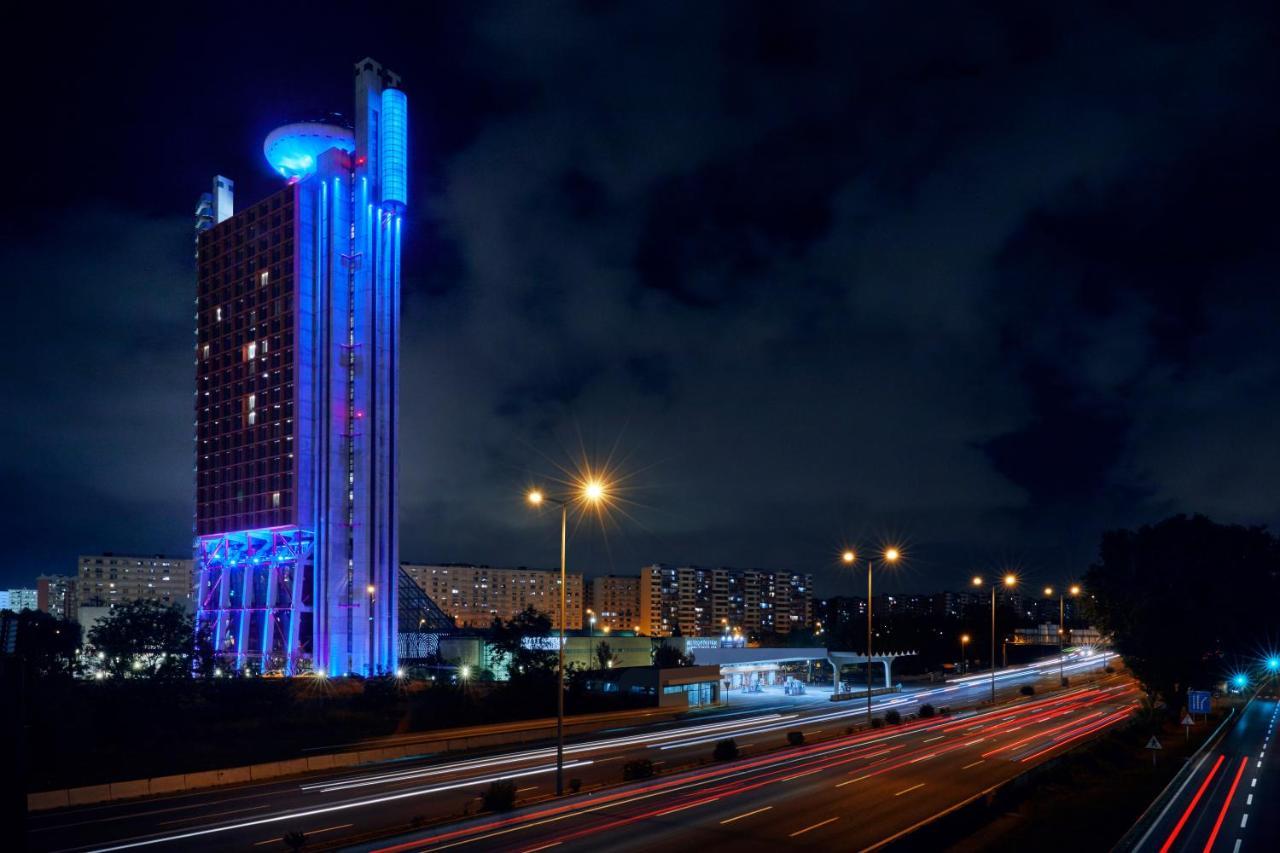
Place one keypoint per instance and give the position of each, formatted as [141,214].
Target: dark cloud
[986,280]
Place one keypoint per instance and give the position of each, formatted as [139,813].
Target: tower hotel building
[296,402]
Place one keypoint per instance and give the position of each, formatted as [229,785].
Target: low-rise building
[18,600]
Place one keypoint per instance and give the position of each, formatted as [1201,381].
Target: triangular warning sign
[1153,743]
[1187,721]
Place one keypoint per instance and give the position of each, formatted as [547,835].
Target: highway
[852,793]
[1229,801]
[354,802]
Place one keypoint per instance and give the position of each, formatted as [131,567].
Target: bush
[726,750]
[1109,669]
[927,711]
[877,723]
[295,840]
[795,738]
[575,785]
[501,796]
[1027,690]
[641,768]
[892,717]
[944,711]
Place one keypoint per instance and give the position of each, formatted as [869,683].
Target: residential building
[105,580]
[615,602]
[296,410]
[18,600]
[476,595]
[57,595]
[698,601]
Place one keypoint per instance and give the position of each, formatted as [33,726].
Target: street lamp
[368,667]
[591,492]
[1010,580]
[1074,589]
[891,555]
[964,641]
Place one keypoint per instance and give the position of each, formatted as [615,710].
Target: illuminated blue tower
[297,401]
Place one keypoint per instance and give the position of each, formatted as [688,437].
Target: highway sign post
[1198,702]
[1154,746]
[1188,722]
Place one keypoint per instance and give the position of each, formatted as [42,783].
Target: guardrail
[1149,818]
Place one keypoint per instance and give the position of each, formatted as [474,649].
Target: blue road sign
[1198,701]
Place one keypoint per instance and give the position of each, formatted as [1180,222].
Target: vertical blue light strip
[395,148]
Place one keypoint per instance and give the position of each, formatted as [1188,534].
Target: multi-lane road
[852,793]
[356,802]
[1230,801]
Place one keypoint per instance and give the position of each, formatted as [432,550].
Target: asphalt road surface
[852,793]
[352,803]
[1230,801]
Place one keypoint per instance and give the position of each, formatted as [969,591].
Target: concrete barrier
[88,794]
[126,790]
[46,800]
[455,740]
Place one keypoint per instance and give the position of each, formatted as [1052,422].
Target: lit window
[251,351]
[219,314]
[262,279]
[205,355]
[253,399]
[275,496]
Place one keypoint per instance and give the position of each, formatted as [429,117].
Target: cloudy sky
[982,280]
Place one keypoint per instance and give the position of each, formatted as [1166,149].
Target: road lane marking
[815,826]
[215,814]
[1236,849]
[688,806]
[974,764]
[909,790]
[1244,820]
[305,834]
[932,739]
[744,814]
[544,847]
[851,781]
[1249,801]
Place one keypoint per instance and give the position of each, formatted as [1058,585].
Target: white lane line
[932,739]
[1236,849]
[544,847]
[815,826]
[1244,820]
[744,814]
[974,764]
[1254,783]
[909,790]
[305,834]
[851,781]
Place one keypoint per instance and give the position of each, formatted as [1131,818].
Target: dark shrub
[501,796]
[877,723]
[641,768]
[927,711]
[726,750]
[892,717]
[1109,669]
[295,840]
[1027,690]
[795,738]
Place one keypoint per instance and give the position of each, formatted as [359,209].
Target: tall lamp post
[1074,589]
[592,492]
[964,641]
[1010,580]
[890,556]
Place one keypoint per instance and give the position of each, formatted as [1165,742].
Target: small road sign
[1187,721]
[1198,701]
[1154,746]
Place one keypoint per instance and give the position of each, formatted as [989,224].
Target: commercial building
[57,596]
[296,406]
[105,580]
[476,595]
[697,601]
[18,600]
[614,601]
[674,688]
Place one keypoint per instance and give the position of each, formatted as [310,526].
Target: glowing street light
[964,641]
[1074,589]
[1010,581]
[591,492]
[890,555]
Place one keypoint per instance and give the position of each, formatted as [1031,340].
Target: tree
[1184,601]
[519,645]
[50,646]
[604,655]
[665,656]
[146,639]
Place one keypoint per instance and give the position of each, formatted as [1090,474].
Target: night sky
[982,280]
